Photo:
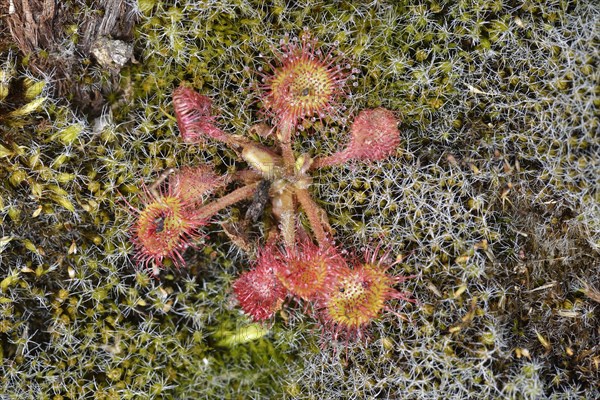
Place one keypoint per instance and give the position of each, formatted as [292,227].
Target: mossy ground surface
[492,201]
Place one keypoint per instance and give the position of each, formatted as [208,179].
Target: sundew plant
[307,81]
[394,199]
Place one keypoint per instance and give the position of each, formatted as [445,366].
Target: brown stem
[312,212]
[285,138]
[288,228]
[240,194]
[284,210]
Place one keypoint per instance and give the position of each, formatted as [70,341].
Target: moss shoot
[492,202]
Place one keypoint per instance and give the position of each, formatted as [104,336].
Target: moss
[492,202]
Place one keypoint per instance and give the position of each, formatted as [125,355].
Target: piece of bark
[37,25]
[31,23]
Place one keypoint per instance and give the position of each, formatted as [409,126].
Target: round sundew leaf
[306,83]
[258,291]
[164,228]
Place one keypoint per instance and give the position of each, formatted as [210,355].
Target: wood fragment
[41,25]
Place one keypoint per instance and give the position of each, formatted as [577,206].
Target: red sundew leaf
[308,270]
[305,83]
[194,184]
[195,122]
[359,296]
[374,136]
[258,291]
[165,228]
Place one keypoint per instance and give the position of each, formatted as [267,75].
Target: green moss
[492,201]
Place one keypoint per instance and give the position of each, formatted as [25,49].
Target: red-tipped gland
[374,136]
[193,113]
[305,83]
[308,270]
[194,184]
[258,291]
[358,297]
[165,228]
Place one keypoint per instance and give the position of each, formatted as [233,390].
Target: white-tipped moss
[492,201]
